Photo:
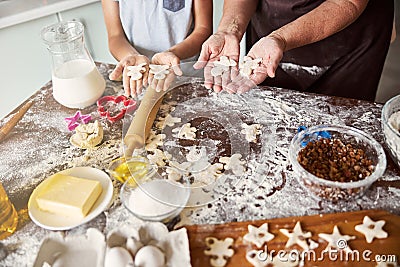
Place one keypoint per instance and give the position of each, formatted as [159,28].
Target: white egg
[133,245]
[118,257]
[149,256]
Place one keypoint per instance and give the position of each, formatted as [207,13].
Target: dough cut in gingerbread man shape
[219,250]
[297,236]
[222,66]
[186,132]
[208,175]
[155,141]
[177,170]
[371,229]
[159,71]
[248,65]
[251,131]
[136,72]
[336,240]
[158,157]
[167,121]
[234,163]
[258,235]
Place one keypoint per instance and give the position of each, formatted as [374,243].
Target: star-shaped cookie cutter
[128,105]
[77,119]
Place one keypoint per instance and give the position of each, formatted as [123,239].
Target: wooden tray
[388,247]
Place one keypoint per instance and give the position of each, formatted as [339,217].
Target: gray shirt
[153,26]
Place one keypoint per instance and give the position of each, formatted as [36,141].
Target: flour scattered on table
[196,154]
[234,163]
[220,250]
[371,229]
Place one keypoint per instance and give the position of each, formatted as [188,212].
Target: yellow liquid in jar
[8,215]
[125,170]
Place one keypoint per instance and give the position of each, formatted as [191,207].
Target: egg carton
[148,245]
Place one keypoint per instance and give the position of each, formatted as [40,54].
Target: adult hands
[217,45]
[165,58]
[131,86]
[270,49]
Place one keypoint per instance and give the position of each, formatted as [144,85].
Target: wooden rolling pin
[142,122]
[8,126]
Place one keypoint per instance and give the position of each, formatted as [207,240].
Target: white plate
[52,221]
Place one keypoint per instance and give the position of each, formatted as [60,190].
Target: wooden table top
[39,146]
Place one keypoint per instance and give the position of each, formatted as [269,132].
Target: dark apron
[348,63]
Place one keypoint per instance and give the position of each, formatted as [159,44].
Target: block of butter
[69,196]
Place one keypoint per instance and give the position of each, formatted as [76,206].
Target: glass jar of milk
[77,83]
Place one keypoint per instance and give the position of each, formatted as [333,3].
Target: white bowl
[392,135]
[151,196]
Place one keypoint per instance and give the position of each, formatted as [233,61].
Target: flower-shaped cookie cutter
[121,103]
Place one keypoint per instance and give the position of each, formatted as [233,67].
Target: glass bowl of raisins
[336,162]
[391,127]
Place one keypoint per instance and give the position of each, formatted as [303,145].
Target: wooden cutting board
[388,247]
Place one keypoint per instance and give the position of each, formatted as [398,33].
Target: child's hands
[131,86]
[165,58]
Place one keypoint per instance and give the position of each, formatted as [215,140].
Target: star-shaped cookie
[258,235]
[337,240]
[297,237]
[371,229]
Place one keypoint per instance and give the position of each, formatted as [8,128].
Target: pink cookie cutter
[77,119]
[106,103]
